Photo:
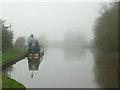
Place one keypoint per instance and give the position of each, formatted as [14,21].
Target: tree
[0,35]
[7,36]
[20,42]
[106,42]
[106,29]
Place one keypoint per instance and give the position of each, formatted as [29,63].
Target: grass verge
[11,56]
[11,83]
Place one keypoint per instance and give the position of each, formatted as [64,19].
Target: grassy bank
[7,56]
[12,55]
[11,83]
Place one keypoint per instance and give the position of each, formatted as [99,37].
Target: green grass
[14,54]
[11,83]
[9,50]
[11,54]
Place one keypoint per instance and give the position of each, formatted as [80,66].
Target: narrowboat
[34,48]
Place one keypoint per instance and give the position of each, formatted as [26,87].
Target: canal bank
[7,60]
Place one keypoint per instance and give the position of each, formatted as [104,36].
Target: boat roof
[33,40]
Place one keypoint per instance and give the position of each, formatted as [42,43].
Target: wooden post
[10,26]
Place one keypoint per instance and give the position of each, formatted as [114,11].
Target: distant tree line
[74,40]
[20,42]
[106,29]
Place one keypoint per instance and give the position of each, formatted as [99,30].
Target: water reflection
[33,64]
[106,71]
[8,71]
[74,53]
[55,71]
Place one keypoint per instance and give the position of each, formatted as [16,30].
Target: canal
[59,68]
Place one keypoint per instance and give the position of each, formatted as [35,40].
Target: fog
[50,19]
[82,41]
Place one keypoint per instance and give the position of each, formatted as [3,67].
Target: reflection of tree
[106,71]
[74,45]
[8,71]
[72,53]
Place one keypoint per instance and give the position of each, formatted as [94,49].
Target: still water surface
[59,69]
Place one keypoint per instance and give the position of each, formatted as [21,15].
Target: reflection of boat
[33,64]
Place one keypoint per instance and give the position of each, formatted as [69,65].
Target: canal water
[59,68]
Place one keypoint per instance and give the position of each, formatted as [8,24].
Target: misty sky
[51,19]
